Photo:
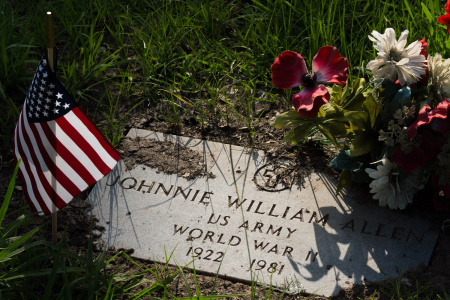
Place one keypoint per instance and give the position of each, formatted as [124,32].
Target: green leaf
[335,94]
[344,161]
[427,13]
[289,119]
[335,127]
[408,8]
[331,111]
[345,179]
[371,108]
[5,254]
[299,133]
[358,121]
[9,192]
[401,98]
[362,144]
[331,130]
[356,97]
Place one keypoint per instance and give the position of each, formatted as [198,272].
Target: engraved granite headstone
[295,233]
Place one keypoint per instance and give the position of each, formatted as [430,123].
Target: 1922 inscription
[197,253]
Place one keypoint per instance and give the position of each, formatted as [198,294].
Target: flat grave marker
[298,236]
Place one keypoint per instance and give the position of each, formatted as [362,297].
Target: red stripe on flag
[78,139]
[27,197]
[103,141]
[22,178]
[76,165]
[26,163]
[51,193]
[54,169]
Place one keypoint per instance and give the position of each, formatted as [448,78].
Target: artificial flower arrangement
[393,131]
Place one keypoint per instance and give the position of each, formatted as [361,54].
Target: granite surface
[293,236]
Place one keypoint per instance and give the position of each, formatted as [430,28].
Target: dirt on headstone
[164,156]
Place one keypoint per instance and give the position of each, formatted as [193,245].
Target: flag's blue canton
[47,100]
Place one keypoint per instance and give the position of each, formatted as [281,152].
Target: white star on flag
[62,151]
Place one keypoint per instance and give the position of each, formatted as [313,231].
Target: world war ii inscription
[298,235]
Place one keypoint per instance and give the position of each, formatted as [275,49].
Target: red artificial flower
[429,148]
[424,47]
[289,70]
[445,19]
[434,127]
[435,118]
[424,78]
[409,162]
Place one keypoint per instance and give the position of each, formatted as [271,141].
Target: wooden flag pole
[50,29]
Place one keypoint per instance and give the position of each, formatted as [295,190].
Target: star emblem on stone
[59,95]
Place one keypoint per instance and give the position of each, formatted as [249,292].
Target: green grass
[181,54]
[178,58]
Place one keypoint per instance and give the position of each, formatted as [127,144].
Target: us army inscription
[250,225]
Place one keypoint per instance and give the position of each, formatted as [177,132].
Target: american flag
[62,150]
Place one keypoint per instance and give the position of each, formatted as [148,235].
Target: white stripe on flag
[27,187]
[91,139]
[60,162]
[76,151]
[48,202]
[53,182]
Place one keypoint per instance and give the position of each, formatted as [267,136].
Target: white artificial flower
[394,61]
[389,188]
[439,75]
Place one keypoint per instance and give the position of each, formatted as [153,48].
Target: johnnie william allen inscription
[282,233]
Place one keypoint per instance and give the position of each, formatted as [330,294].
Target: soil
[309,156]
